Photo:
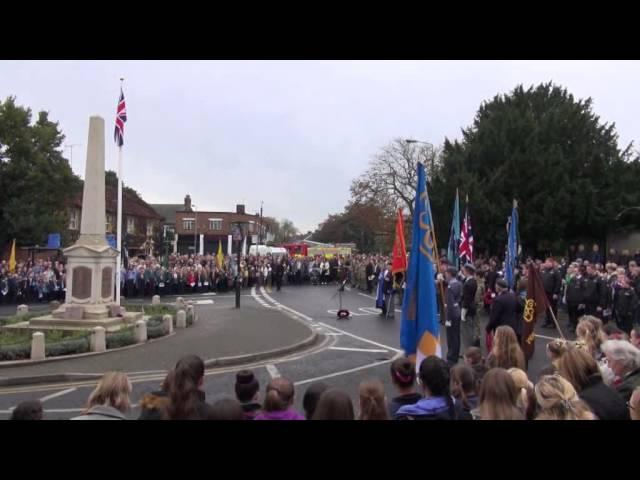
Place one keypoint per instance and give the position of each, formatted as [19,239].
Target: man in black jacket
[503,309]
[369,275]
[594,293]
[470,322]
[552,283]
[574,296]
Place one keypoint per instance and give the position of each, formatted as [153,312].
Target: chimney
[240,209]
[187,203]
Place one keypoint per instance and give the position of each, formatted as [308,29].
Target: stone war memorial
[91,260]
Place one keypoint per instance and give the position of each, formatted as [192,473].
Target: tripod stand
[342,312]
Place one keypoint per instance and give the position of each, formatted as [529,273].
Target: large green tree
[366,224]
[549,151]
[36,181]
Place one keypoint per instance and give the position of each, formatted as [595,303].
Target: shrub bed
[67,347]
[121,338]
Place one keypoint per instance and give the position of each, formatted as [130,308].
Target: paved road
[352,350]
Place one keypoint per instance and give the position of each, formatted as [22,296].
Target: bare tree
[390,180]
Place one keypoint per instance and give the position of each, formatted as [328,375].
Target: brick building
[141,222]
[205,230]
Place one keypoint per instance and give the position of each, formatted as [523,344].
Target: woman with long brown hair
[186,398]
[506,352]
[463,389]
[558,400]
[372,401]
[499,397]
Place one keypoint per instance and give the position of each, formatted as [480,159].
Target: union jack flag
[121,118]
[466,238]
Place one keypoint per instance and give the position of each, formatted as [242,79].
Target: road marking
[284,307]
[344,372]
[349,349]
[60,410]
[58,394]
[333,334]
[204,302]
[273,371]
[257,298]
[368,296]
[361,338]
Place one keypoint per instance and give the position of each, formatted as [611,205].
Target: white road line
[58,394]
[333,334]
[204,302]
[344,372]
[273,371]
[368,296]
[361,338]
[349,349]
[284,307]
[59,410]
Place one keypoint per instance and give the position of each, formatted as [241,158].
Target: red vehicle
[296,249]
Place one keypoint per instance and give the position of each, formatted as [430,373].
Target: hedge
[67,347]
[15,352]
[121,338]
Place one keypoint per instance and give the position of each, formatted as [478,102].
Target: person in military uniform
[552,283]
[594,293]
[625,304]
[369,275]
[574,295]
[470,327]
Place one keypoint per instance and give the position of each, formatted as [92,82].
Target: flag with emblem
[466,237]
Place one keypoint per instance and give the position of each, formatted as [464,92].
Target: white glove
[464,315]
[440,277]
[447,323]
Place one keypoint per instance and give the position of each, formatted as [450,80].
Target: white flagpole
[119,237]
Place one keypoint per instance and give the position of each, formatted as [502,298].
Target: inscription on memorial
[81,283]
[107,273]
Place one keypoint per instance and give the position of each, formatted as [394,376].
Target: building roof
[168,211]
[131,204]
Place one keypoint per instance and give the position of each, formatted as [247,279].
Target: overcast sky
[291,133]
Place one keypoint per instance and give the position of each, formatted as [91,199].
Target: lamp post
[238,236]
[617,217]
[411,140]
[195,230]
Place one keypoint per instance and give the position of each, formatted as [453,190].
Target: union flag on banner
[466,237]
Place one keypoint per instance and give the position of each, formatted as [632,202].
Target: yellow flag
[12,257]
[219,255]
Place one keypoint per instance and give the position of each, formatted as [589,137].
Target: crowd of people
[44,281]
[593,378]
[32,281]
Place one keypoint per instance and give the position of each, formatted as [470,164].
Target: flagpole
[119,237]
[437,255]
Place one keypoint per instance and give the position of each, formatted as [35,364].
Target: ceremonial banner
[454,234]
[420,330]
[399,261]
[535,305]
[12,257]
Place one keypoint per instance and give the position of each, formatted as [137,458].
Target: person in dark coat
[552,283]
[369,272]
[503,309]
[247,390]
[453,311]
[596,256]
[624,360]
[470,328]
[625,304]
[594,292]
[574,295]
[581,370]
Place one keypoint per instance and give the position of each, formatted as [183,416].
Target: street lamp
[617,217]
[411,141]
[195,230]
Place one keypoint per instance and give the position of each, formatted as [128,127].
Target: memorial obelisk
[91,261]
